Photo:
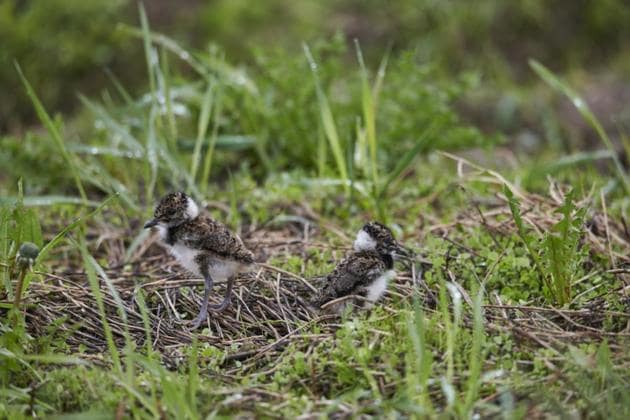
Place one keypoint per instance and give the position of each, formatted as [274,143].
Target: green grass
[515,306]
[435,361]
[556,254]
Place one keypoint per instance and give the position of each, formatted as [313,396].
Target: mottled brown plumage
[204,246]
[211,237]
[353,275]
[366,271]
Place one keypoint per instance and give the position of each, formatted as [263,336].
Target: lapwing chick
[366,272]
[203,246]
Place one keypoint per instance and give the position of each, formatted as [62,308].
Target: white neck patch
[364,242]
[192,210]
[162,229]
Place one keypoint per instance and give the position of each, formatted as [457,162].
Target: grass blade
[114,126]
[404,162]
[380,76]
[193,376]
[475,363]
[232,142]
[421,360]
[520,228]
[58,237]
[5,247]
[165,73]
[47,200]
[152,154]
[234,76]
[567,162]
[207,162]
[53,131]
[96,292]
[202,127]
[170,45]
[584,110]
[148,49]
[124,94]
[58,359]
[369,115]
[328,121]
[102,179]
[145,319]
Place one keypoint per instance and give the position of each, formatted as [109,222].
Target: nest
[266,306]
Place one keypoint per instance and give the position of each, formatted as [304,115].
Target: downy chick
[203,246]
[366,272]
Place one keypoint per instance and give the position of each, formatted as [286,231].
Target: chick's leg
[203,311]
[226,300]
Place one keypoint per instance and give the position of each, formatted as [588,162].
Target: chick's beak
[150,223]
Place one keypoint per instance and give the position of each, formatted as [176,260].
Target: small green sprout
[25,258]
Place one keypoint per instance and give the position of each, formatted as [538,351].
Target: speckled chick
[366,272]
[203,246]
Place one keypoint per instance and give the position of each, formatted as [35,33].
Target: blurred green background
[234,76]
[66,46]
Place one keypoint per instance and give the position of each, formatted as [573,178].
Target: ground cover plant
[514,305]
